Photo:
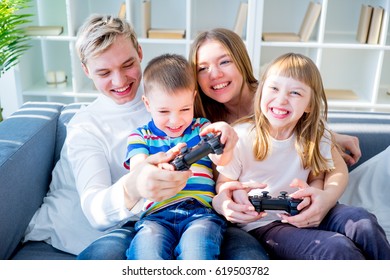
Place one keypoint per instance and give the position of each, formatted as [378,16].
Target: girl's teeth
[279,112]
[121,89]
[220,86]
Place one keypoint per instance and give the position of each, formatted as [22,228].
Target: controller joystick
[209,144]
[282,202]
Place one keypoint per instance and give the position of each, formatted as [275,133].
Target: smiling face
[218,76]
[284,100]
[117,71]
[171,112]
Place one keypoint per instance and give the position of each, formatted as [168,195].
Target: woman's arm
[336,180]
[316,181]
[322,201]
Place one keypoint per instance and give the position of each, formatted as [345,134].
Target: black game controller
[209,144]
[282,202]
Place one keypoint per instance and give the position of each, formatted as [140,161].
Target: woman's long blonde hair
[311,126]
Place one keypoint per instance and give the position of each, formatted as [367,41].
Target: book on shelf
[122,11]
[281,37]
[156,33]
[364,23]
[242,15]
[44,30]
[309,21]
[375,26]
[340,94]
[146,19]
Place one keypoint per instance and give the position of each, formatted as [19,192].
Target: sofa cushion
[368,187]
[66,115]
[26,161]
[39,250]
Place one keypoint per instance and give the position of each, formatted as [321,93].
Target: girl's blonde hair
[236,49]
[311,126]
[99,32]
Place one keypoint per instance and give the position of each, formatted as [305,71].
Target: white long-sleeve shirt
[84,200]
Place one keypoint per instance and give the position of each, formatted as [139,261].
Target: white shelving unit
[344,63]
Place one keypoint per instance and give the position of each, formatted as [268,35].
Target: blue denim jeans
[111,246]
[185,231]
[237,245]
[347,232]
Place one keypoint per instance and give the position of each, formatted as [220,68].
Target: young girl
[286,146]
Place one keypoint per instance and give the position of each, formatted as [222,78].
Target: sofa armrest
[27,144]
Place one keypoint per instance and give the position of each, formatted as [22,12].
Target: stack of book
[370,24]
[159,33]
[309,21]
[44,30]
[340,94]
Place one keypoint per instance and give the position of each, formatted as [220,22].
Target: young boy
[184,226]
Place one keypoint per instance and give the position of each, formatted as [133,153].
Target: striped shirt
[150,140]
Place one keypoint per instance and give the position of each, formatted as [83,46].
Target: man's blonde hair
[99,32]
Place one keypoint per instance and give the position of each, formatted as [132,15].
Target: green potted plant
[13,39]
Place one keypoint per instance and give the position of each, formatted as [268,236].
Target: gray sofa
[30,144]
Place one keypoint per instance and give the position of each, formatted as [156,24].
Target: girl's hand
[300,184]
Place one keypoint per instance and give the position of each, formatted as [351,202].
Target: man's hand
[350,149]
[151,181]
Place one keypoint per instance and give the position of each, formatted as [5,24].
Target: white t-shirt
[95,147]
[278,170]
